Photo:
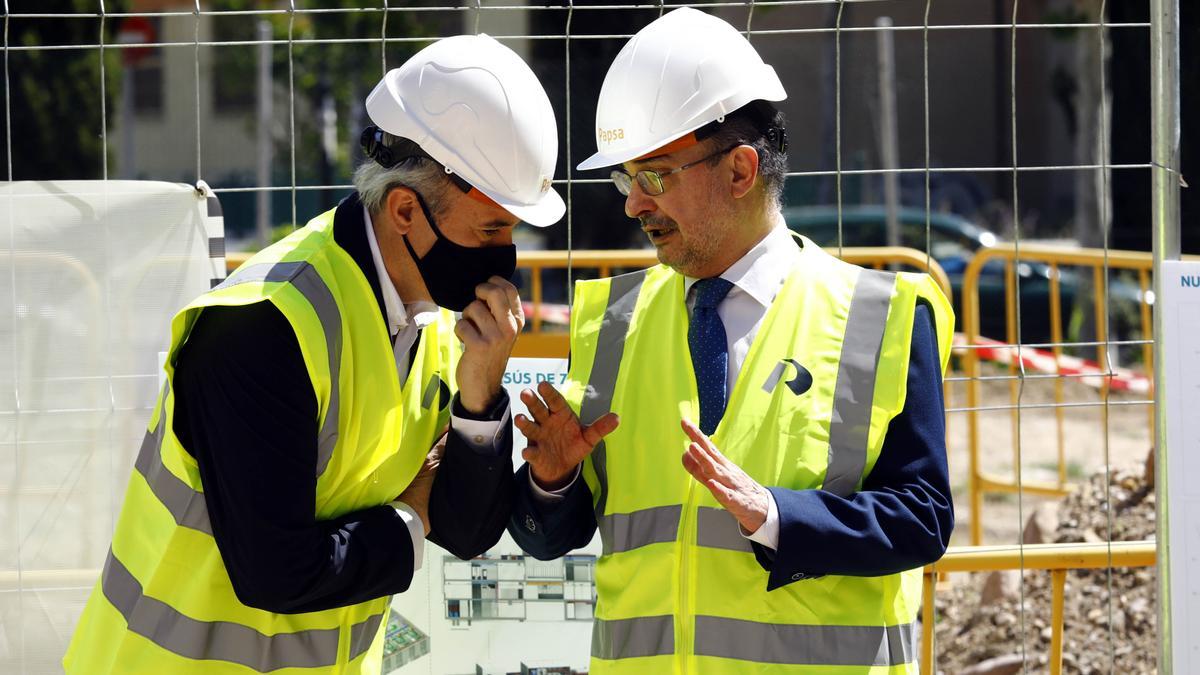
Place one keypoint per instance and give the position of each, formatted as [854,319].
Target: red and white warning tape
[1041,360]
[550,313]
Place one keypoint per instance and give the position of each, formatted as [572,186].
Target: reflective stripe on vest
[305,279]
[759,642]
[855,386]
[717,528]
[621,532]
[610,347]
[186,506]
[174,631]
[631,638]
[805,645]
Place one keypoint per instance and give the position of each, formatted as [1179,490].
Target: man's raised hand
[558,441]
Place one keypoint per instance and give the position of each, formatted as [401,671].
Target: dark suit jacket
[246,410]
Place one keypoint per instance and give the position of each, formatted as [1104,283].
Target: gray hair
[427,178]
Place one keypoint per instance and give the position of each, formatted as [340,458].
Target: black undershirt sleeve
[246,410]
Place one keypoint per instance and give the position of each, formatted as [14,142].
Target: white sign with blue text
[1181,392]
[527,373]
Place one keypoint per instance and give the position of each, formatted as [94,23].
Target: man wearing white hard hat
[754,427]
[325,411]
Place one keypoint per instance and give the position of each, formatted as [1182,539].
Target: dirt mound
[1109,617]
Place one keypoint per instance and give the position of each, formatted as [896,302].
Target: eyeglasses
[651,182]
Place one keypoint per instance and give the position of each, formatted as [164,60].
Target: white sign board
[516,619]
[526,373]
[1181,374]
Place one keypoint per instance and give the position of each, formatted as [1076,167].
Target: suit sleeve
[548,530]
[904,515]
[473,491]
[246,410]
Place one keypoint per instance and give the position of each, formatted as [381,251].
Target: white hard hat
[476,108]
[680,72]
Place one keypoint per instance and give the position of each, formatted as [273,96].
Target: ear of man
[402,208]
[743,170]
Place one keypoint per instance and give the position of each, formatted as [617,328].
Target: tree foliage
[343,72]
[53,102]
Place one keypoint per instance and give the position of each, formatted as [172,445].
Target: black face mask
[452,271]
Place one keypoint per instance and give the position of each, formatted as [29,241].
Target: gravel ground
[1087,438]
[1106,630]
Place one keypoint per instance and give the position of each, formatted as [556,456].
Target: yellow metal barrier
[979,482]
[1056,558]
[234,260]
[536,341]
[539,342]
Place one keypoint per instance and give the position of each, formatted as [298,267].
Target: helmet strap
[762,115]
[391,151]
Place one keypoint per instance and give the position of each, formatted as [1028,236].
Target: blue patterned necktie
[710,353]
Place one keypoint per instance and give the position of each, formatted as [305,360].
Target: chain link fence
[957,127]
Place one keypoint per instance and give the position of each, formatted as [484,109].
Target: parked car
[953,241]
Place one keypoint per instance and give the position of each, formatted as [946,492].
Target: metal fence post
[1164,172]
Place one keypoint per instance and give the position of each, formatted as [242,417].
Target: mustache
[657,223]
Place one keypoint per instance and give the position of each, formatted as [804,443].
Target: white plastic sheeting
[90,274]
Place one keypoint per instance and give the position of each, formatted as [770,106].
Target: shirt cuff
[552,496]
[767,534]
[480,435]
[416,531]
[499,408]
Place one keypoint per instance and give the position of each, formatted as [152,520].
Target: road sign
[136,30]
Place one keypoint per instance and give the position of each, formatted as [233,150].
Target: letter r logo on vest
[799,384]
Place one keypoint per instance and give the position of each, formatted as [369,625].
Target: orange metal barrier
[979,482]
[1056,558]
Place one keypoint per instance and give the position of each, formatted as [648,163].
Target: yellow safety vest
[679,590]
[164,602]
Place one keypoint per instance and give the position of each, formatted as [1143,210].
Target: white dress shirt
[757,278]
[475,433]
